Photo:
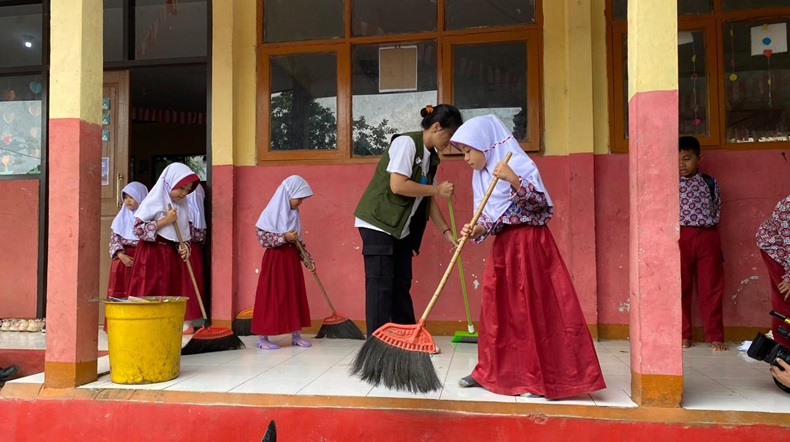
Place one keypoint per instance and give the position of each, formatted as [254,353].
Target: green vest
[388,211]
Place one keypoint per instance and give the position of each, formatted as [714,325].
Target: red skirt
[120,276]
[281,298]
[156,270]
[196,260]
[776,274]
[533,337]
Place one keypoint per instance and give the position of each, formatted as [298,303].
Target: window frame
[444,39]
[713,25]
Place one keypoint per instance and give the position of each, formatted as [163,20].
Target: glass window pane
[620,9]
[378,115]
[756,79]
[20,124]
[113,30]
[692,83]
[20,35]
[463,14]
[304,102]
[170,29]
[297,20]
[738,5]
[492,79]
[377,17]
[685,7]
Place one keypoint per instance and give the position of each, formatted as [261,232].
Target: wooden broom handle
[460,245]
[321,286]
[189,266]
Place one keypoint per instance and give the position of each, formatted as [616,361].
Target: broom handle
[315,274]
[189,266]
[460,246]
[460,264]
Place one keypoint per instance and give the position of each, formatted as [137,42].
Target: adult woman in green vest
[393,211]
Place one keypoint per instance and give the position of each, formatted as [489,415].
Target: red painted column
[656,355]
[74,178]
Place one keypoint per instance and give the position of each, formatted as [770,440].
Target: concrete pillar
[74,184]
[569,132]
[656,355]
[232,143]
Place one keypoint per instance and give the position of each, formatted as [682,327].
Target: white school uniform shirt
[402,152]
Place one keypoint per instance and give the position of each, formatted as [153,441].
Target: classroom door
[114,166]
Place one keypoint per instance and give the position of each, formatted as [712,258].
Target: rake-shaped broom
[335,326]
[398,355]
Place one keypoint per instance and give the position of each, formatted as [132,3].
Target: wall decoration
[769,39]
[398,69]
[105,171]
[35,87]
[20,136]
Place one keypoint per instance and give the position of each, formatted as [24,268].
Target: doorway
[153,116]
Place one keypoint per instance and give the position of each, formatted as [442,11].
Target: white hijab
[197,214]
[123,224]
[489,135]
[155,205]
[278,217]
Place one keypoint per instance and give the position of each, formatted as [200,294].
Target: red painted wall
[114,420]
[327,222]
[19,236]
[752,182]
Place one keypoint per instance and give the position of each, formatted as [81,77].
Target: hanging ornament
[34,132]
[9,117]
[733,75]
[9,95]
[35,87]
[34,108]
[7,139]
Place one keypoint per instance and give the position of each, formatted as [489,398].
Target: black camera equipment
[766,349]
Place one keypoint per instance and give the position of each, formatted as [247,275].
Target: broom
[469,336]
[335,326]
[242,325]
[208,338]
[398,355]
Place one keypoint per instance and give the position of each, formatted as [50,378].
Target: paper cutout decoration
[105,119]
[35,87]
[769,39]
[105,171]
[105,134]
[9,117]
[9,95]
[34,132]
[105,104]
[34,109]
[398,69]
[7,139]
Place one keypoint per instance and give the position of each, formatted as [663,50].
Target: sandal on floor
[467,381]
[265,344]
[299,341]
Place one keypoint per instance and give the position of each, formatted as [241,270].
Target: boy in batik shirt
[700,246]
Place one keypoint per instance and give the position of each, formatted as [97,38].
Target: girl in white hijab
[281,298]
[157,269]
[197,232]
[123,241]
[533,338]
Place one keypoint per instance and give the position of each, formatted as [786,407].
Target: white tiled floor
[713,381]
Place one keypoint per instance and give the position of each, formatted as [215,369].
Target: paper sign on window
[769,39]
[398,69]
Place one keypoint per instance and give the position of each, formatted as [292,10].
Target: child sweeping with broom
[157,269]
[123,241]
[281,297]
[533,338]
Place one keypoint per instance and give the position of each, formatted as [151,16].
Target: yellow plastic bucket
[144,339]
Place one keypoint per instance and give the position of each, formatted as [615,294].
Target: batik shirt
[270,240]
[697,208]
[146,231]
[118,244]
[198,235]
[773,236]
[528,207]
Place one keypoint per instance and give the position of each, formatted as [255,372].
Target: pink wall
[752,182]
[327,221]
[19,260]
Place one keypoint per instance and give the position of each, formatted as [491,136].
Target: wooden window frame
[342,47]
[713,25]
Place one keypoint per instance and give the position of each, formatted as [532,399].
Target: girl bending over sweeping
[159,261]
[533,338]
[281,298]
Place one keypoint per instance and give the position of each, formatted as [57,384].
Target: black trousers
[387,279]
